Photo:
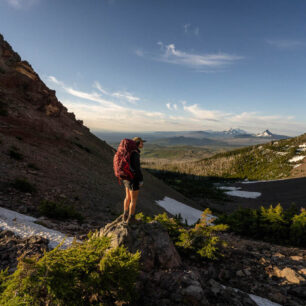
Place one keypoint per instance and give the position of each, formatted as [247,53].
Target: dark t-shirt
[135,166]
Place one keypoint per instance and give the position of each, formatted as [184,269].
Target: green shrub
[33,166]
[298,228]
[13,153]
[23,185]
[173,225]
[87,273]
[243,220]
[58,210]
[202,239]
[3,109]
[121,270]
[273,224]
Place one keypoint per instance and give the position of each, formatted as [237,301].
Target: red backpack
[122,159]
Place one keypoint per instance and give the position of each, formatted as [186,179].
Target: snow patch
[237,192]
[255,182]
[244,194]
[302,145]
[174,207]
[282,153]
[295,166]
[262,301]
[24,226]
[296,159]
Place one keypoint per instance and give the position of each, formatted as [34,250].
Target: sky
[168,65]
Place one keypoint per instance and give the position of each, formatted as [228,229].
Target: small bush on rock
[202,239]
[87,273]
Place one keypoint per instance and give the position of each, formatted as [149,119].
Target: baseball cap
[138,139]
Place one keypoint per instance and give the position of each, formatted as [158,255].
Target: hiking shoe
[131,219]
[125,216]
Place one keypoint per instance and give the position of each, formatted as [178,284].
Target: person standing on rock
[127,169]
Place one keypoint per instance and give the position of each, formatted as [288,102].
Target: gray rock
[193,291]
[151,239]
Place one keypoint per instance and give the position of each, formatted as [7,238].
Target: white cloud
[81,94]
[98,86]
[106,114]
[139,52]
[18,4]
[172,106]
[54,80]
[127,96]
[121,95]
[196,31]
[286,44]
[189,29]
[174,56]
[186,27]
[203,114]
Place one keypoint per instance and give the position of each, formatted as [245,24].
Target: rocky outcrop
[157,249]
[20,81]
[12,247]
[164,278]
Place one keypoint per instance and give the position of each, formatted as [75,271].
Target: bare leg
[126,203]
[134,197]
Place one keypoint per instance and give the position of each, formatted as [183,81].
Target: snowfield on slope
[24,226]
[174,207]
[237,192]
[296,159]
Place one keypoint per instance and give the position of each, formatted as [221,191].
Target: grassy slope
[268,161]
[260,162]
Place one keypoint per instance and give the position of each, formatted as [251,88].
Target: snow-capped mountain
[234,132]
[268,134]
[265,133]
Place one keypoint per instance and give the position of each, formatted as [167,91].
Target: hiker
[127,169]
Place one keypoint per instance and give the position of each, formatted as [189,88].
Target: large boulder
[152,239]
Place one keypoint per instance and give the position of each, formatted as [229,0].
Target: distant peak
[232,131]
[265,133]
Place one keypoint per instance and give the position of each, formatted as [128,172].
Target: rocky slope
[42,144]
[269,271]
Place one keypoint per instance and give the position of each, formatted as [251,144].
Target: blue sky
[168,65]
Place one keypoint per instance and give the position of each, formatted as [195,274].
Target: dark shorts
[131,185]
